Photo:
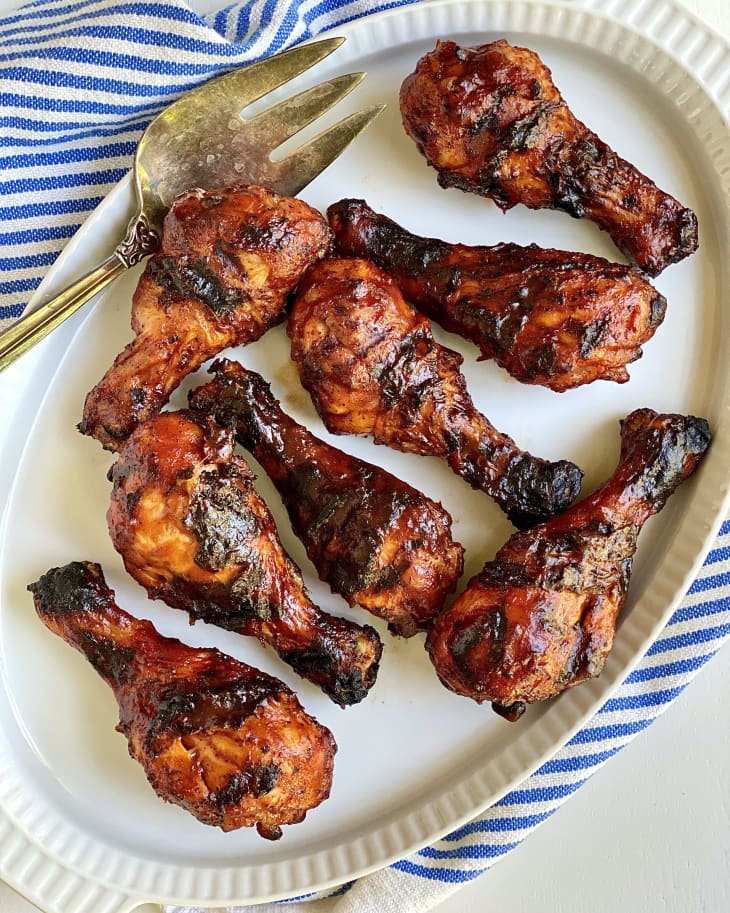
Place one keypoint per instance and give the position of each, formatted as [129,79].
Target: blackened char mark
[222,520]
[183,277]
[346,686]
[178,711]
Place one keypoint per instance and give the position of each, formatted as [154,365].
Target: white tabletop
[649,832]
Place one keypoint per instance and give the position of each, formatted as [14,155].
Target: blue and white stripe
[79,81]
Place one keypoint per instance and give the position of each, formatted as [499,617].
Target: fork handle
[29,330]
[140,240]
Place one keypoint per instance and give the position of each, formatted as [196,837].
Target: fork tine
[278,123]
[249,83]
[293,173]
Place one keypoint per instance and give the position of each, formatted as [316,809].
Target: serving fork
[202,140]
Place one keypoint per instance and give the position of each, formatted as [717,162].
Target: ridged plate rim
[61,872]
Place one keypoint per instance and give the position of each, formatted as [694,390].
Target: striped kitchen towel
[78,83]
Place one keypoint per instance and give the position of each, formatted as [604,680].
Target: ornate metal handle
[141,239]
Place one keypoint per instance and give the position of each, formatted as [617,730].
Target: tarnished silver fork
[201,140]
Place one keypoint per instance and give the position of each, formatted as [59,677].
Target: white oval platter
[80,829]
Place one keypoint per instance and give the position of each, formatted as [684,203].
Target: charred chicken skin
[541,616]
[227,263]
[192,530]
[372,366]
[376,541]
[490,120]
[549,317]
[231,745]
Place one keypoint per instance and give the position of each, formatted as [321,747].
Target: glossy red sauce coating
[490,120]
[230,744]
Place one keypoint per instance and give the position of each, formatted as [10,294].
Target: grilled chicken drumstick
[372,366]
[490,120]
[192,530]
[375,540]
[550,317]
[540,617]
[231,745]
[228,260]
